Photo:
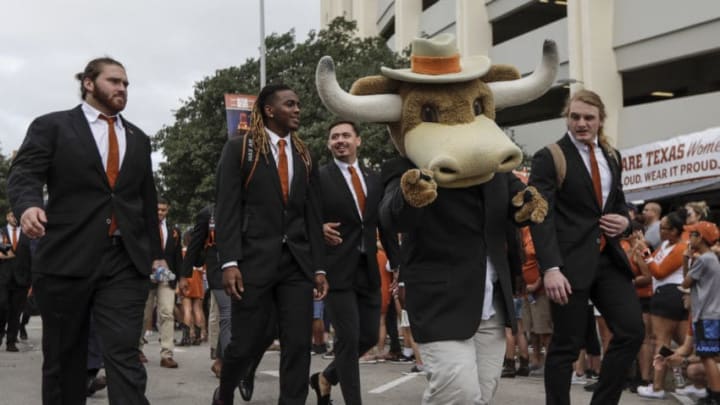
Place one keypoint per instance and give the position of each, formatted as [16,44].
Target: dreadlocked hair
[258,136]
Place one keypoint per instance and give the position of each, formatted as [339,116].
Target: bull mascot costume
[452,197]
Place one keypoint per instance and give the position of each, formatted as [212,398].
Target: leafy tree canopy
[4,171]
[192,145]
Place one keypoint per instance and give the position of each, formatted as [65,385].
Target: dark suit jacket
[357,233]
[253,224]
[17,267]
[199,254]
[444,249]
[59,150]
[569,236]
[172,253]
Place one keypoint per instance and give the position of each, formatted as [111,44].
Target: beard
[115,104]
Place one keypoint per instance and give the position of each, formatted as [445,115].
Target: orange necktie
[113,162]
[359,193]
[14,238]
[283,169]
[597,186]
[162,238]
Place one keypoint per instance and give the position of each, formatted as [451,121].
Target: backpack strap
[560,163]
[248,160]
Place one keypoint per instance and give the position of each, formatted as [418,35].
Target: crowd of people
[668,255]
[289,251]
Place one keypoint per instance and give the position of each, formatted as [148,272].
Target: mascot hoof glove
[532,206]
[418,187]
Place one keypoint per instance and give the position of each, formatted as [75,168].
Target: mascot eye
[477,106]
[429,113]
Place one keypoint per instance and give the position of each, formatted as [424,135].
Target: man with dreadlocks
[579,253]
[270,244]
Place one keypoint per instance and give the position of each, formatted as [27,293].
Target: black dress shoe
[315,385]
[216,397]
[12,347]
[23,333]
[96,384]
[246,388]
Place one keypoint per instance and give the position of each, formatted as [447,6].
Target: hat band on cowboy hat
[435,65]
[437,60]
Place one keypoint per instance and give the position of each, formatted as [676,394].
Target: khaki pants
[213,322]
[164,295]
[465,372]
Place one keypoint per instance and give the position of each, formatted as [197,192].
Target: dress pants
[115,295]
[224,310]
[355,315]
[94,360]
[465,372]
[285,303]
[12,303]
[613,294]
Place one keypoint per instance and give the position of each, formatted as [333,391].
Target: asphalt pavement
[193,383]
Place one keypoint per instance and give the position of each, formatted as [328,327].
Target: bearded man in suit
[97,235]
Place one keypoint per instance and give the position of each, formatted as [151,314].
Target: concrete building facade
[656,63]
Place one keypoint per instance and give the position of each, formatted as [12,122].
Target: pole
[262,44]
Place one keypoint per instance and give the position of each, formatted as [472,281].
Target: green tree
[4,171]
[192,145]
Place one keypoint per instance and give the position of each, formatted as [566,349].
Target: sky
[166,46]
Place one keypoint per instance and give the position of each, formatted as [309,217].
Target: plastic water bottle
[679,379]
[162,274]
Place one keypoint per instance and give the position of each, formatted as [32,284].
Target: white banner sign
[687,157]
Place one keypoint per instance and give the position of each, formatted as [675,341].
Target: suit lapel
[340,184]
[131,144]
[87,141]
[575,162]
[614,174]
[299,173]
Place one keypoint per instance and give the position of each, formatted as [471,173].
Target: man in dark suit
[98,234]
[202,250]
[269,237]
[457,278]
[14,281]
[579,253]
[162,293]
[350,198]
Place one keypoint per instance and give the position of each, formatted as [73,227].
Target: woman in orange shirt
[668,316]
[633,246]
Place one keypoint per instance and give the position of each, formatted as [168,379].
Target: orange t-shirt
[645,291]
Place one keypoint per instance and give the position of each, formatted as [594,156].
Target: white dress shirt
[605,174]
[99,129]
[274,138]
[344,169]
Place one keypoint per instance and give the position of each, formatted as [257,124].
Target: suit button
[284,239]
[112,195]
[108,221]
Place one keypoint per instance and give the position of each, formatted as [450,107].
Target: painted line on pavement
[274,373]
[393,383]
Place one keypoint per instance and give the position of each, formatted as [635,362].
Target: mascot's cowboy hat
[437,60]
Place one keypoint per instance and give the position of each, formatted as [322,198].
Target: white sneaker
[648,392]
[692,391]
[578,379]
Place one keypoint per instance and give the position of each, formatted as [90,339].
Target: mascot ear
[374,85]
[501,73]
